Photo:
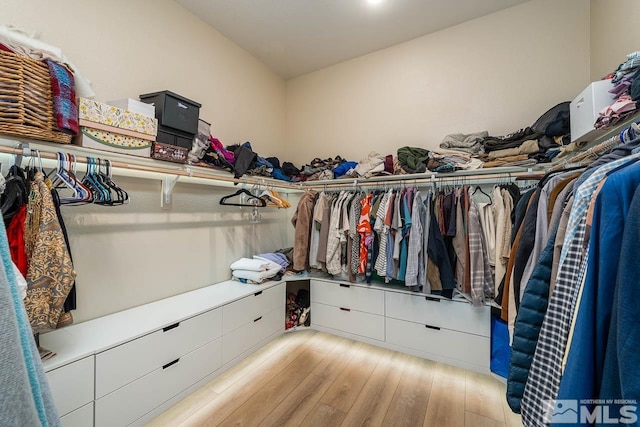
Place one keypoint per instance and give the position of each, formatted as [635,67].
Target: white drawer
[247,309]
[121,365]
[348,320]
[439,312]
[247,336]
[468,348]
[72,385]
[82,417]
[132,401]
[348,296]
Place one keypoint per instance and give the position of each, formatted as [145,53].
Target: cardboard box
[97,112]
[116,143]
[585,108]
[134,106]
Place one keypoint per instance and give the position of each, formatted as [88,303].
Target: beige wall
[131,255]
[614,33]
[497,73]
[127,48]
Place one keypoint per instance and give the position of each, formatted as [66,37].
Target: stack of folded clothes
[626,91]
[259,268]
[419,160]
[537,143]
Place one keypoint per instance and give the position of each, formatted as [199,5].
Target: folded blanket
[274,257]
[63,90]
[257,276]
[251,264]
[471,143]
[528,147]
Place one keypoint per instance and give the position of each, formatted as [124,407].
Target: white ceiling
[295,37]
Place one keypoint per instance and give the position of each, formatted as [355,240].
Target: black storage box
[174,111]
[174,137]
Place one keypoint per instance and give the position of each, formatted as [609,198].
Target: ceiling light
[374,2]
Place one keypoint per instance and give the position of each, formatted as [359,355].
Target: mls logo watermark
[590,411]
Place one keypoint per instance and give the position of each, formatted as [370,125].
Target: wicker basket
[26,104]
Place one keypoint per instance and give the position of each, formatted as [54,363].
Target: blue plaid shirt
[546,369]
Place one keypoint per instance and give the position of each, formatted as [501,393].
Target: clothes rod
[142,168]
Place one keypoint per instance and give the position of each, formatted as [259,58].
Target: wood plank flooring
[309,378]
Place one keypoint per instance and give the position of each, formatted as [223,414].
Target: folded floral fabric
[251,264]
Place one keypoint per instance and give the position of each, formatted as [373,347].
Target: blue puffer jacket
[533,308]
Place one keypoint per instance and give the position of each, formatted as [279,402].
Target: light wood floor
[311,378]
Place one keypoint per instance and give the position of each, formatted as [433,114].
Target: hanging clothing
[546,368]
[316,221]
[50,275]
[26,398]
[15,233]
[415,273]
[382,229]
[364,230]
[333,242]
[301,220]
[481,279]
[586,346]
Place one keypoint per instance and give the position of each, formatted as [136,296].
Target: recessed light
[374,2]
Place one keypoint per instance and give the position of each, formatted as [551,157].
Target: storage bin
[174,111]
[585,108]
[26,104]
[173,137]
[169,153]
[134,106]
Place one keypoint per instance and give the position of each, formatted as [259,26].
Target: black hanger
[479,188]
[255,201]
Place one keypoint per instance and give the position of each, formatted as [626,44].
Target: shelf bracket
[168,183]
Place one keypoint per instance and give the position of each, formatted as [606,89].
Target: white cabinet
[348,296]
[452,332]
[72,385]
[130,402]
[248,309]
[252,333]
[124,367]
[81,417]
[441,344]
[350,321]
[439,312]
[121,365]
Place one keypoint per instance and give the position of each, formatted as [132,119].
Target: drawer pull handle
[170,363]
[434,299]
[257,293]
[342,285]
[345,309]
[255,320]
[170,327]
[437,328]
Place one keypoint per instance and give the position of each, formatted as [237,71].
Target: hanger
[482,191]
[253,200]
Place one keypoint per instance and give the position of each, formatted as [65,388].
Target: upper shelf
[124,165]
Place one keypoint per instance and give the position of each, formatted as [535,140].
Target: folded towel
[63,90]
[257,276]
[251,264]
